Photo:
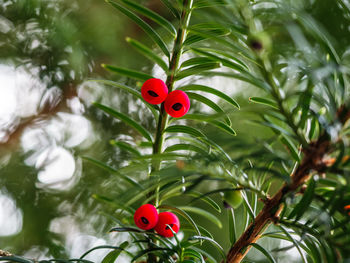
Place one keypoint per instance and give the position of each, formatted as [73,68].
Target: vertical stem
[173,67]
[163,116]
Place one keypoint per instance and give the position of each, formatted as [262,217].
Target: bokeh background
[48,51]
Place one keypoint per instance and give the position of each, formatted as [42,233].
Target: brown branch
[313,160]
[69,91]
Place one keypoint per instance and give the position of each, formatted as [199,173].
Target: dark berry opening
[226,205]
[177,106]
[167,227]
[152,93]
[256,45]
[144,220]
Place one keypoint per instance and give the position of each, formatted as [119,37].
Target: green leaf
[264,251]
[284,237]
[190,253]
[216,244]
[296,244]
[183,214]
[114,203]
[112,256]
[212,91]
[184,129]
[149,30]
[172,9]
[152,250]
[120,248]
[126,229]
[203,31]
[316,29]
[196,70]
[203,213]
[99,164]
[64,260]
[305,201]
[313,128]
[125,146]
[193,38]
[186,147]
[304,102]
[263,101]
[110,169]
[125,119]
[208,3]
[148,53]
[150,184]
[205,232]
[162,156]
[210,120]
[276,128]
[195,61]
[206,199]
[224,127]
[128,72]
[224,61]
[208,257]
[247,205]
[134,92]
[130,90]
[16,259]
[232,225]
[232,55]
[193,141]
[291,147]
[246,77]
[314,249]
[151,15]
[209,103]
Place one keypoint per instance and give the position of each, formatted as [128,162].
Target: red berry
[347,208]
[154,91]
[177,103]
[146,217]
[165,219]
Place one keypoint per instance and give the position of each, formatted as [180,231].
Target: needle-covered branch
[313,160]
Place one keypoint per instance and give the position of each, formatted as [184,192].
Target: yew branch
[312,161]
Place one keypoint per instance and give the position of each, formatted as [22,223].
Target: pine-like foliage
[293,182]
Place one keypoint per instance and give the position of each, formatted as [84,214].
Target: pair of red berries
[176,103]
[146,217]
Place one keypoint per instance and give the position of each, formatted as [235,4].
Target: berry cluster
[176,103]
[146,217]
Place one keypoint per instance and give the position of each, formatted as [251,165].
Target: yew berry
[146,217]
[177,103]
[259,42]
[166,219]
[154,91]
[232,199]
[347,208]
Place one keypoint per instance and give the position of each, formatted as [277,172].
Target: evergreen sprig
[296,178]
